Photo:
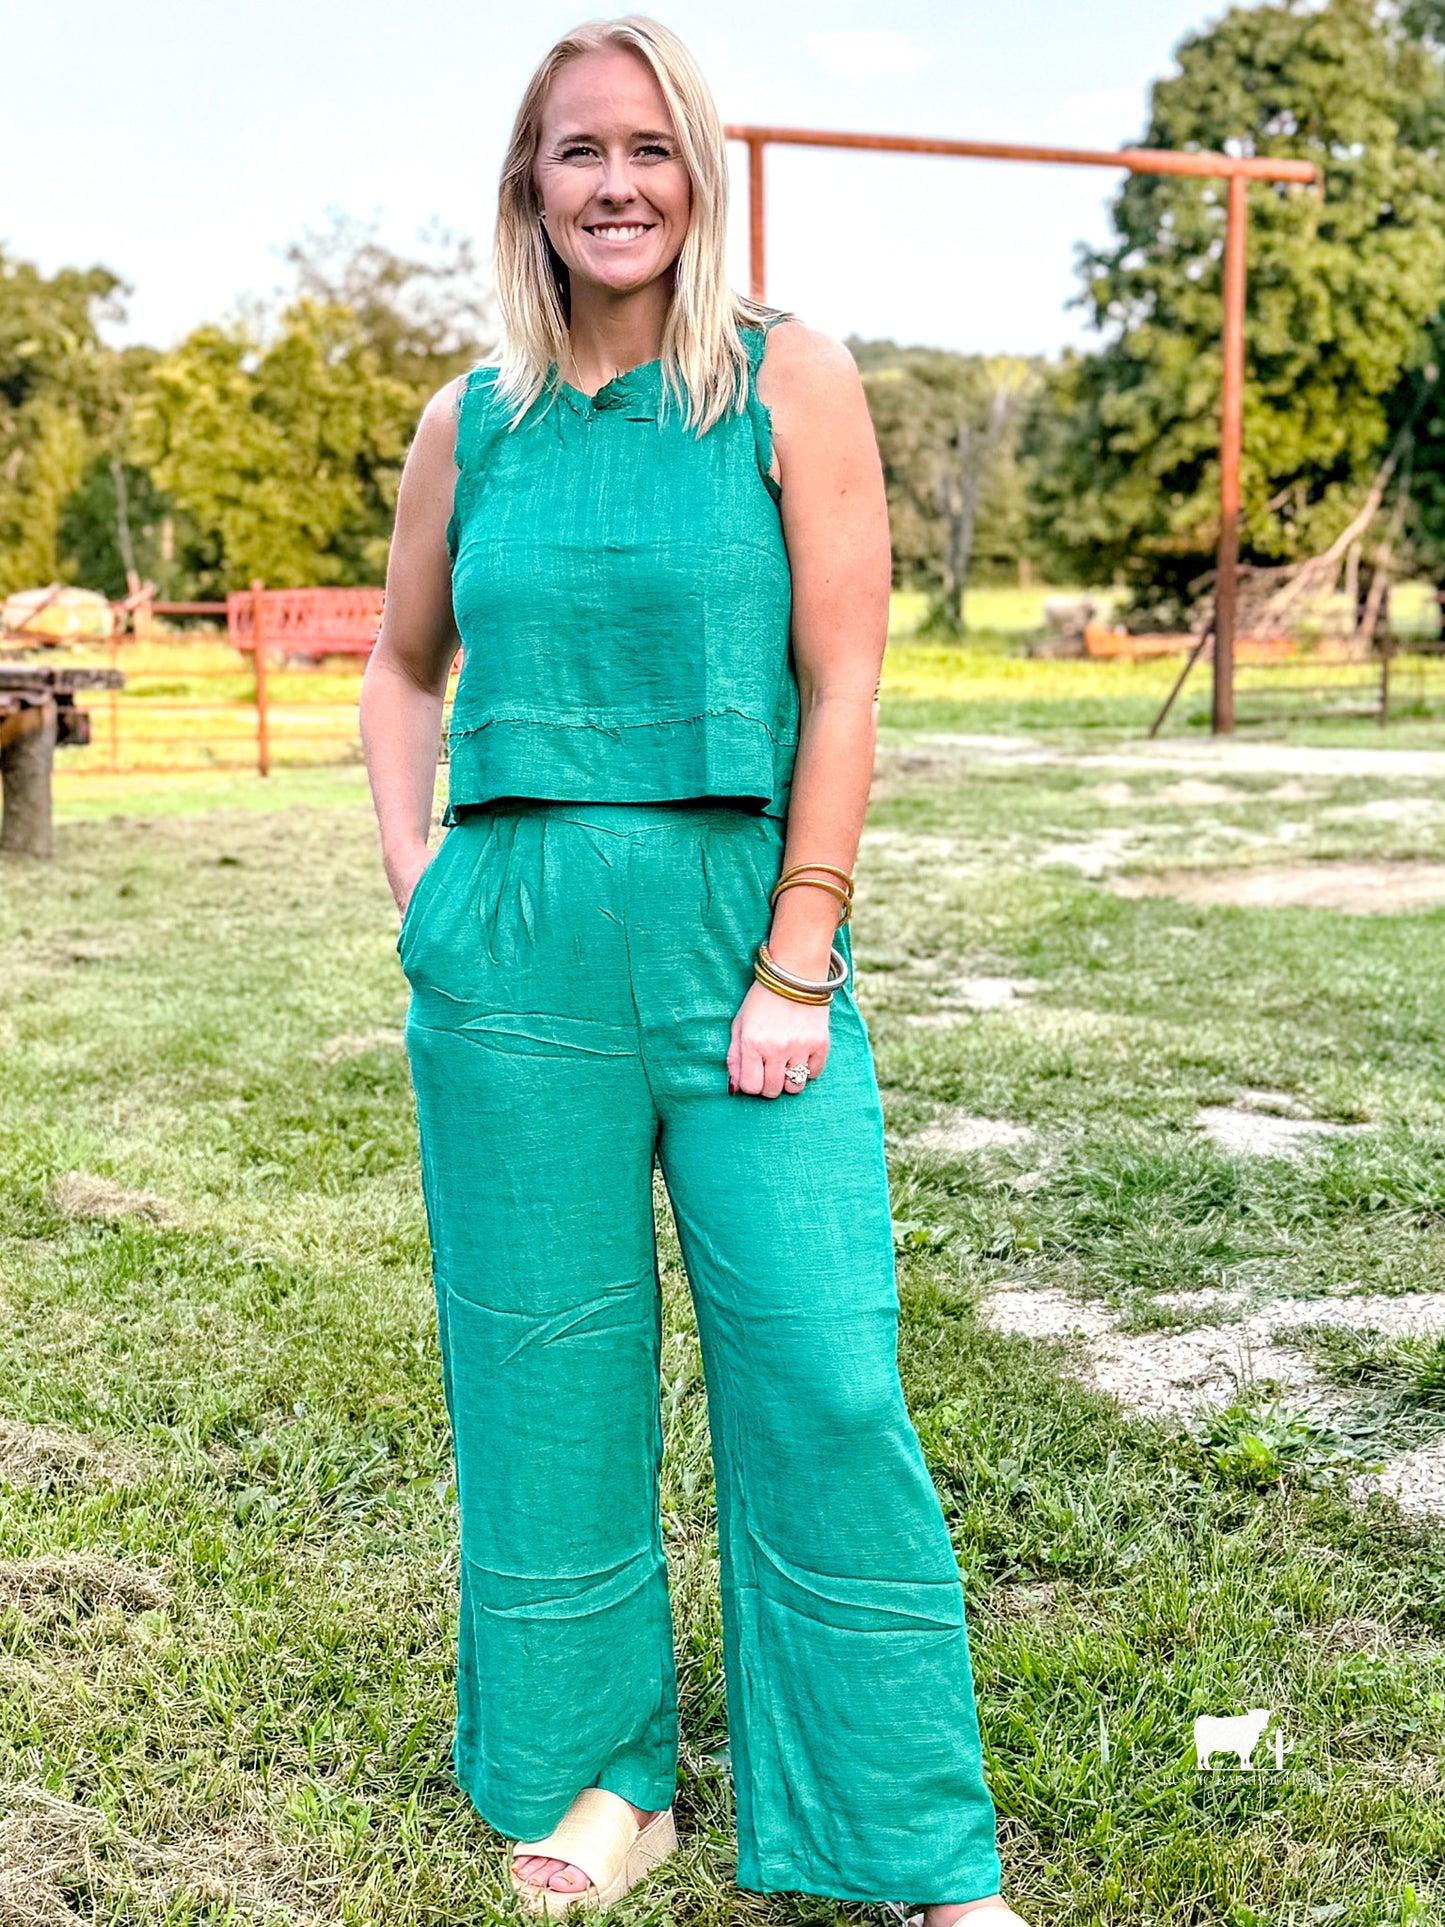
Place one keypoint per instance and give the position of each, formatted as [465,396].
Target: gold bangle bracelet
[780,989]
[793,996]
[818,883]
[828,869]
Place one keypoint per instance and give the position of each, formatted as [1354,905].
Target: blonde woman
[657,529]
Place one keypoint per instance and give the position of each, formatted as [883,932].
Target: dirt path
[1358,889]
[1212,757]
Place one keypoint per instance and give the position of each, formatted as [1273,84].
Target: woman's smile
[619,233]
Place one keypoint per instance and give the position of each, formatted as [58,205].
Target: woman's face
[615,192]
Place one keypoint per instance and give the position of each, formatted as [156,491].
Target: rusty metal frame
[1237,170]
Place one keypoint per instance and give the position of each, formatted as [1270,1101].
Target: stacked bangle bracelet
[803,990]
[799,874]
[800,990]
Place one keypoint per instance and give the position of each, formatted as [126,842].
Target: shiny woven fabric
[622,592]
[575,970]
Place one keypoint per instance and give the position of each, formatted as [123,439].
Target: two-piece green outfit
[621,747]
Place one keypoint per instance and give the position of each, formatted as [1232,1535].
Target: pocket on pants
[741,857]
[422,891]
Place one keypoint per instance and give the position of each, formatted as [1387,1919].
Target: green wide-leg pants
[575,969]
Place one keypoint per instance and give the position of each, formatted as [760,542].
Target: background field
[187,710]
[226,1516]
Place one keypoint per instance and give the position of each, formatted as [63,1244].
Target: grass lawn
[226,1533]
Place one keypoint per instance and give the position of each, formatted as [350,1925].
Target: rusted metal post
[258,643]
[1138,160]
[1237,170]
[757,240]
[1231,432]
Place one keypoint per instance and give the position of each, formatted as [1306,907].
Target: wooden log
[27,678]
[27,754]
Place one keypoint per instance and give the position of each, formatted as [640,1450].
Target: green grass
[988,683]
[226,1687]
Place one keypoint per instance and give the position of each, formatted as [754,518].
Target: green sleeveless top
[623,597]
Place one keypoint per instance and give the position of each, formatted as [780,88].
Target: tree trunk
[25,766]
[959,492]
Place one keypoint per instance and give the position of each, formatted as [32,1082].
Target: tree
[278,439]
[948,428]
[56,389]
[285,454]
[1341,290]
[426,317]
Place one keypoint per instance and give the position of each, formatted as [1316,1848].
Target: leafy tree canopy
[426,317]
[287,453]
[1341,289]
[271,445]
[56,395]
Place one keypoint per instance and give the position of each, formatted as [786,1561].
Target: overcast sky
[182,146]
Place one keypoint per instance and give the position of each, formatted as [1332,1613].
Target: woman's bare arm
[404,688]
[835,524]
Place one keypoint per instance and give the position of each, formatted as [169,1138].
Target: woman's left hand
[769,1033]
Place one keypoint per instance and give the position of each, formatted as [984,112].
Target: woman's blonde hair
[704,364]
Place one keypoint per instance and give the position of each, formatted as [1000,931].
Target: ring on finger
[796,1075]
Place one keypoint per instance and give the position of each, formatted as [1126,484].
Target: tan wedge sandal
[598,1833]
[997,1914]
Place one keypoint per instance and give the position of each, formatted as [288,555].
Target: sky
[182,147]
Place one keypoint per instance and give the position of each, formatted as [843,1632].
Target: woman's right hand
[403,872]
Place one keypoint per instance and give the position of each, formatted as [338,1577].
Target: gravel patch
[1190,792]
[1403,1315]
[959,1133]
[1278,1103]
[1176,1374]
[906,846]
[1218,756]
[1208,1298]
[958,996]
[1384,809]
[1291,791]
[1196,792]
[1357,889]
[991,993]
[1099,857]
[1415,1480]
[1265,1134]
[336,1050]
[1180,1374]
[1044,1314]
